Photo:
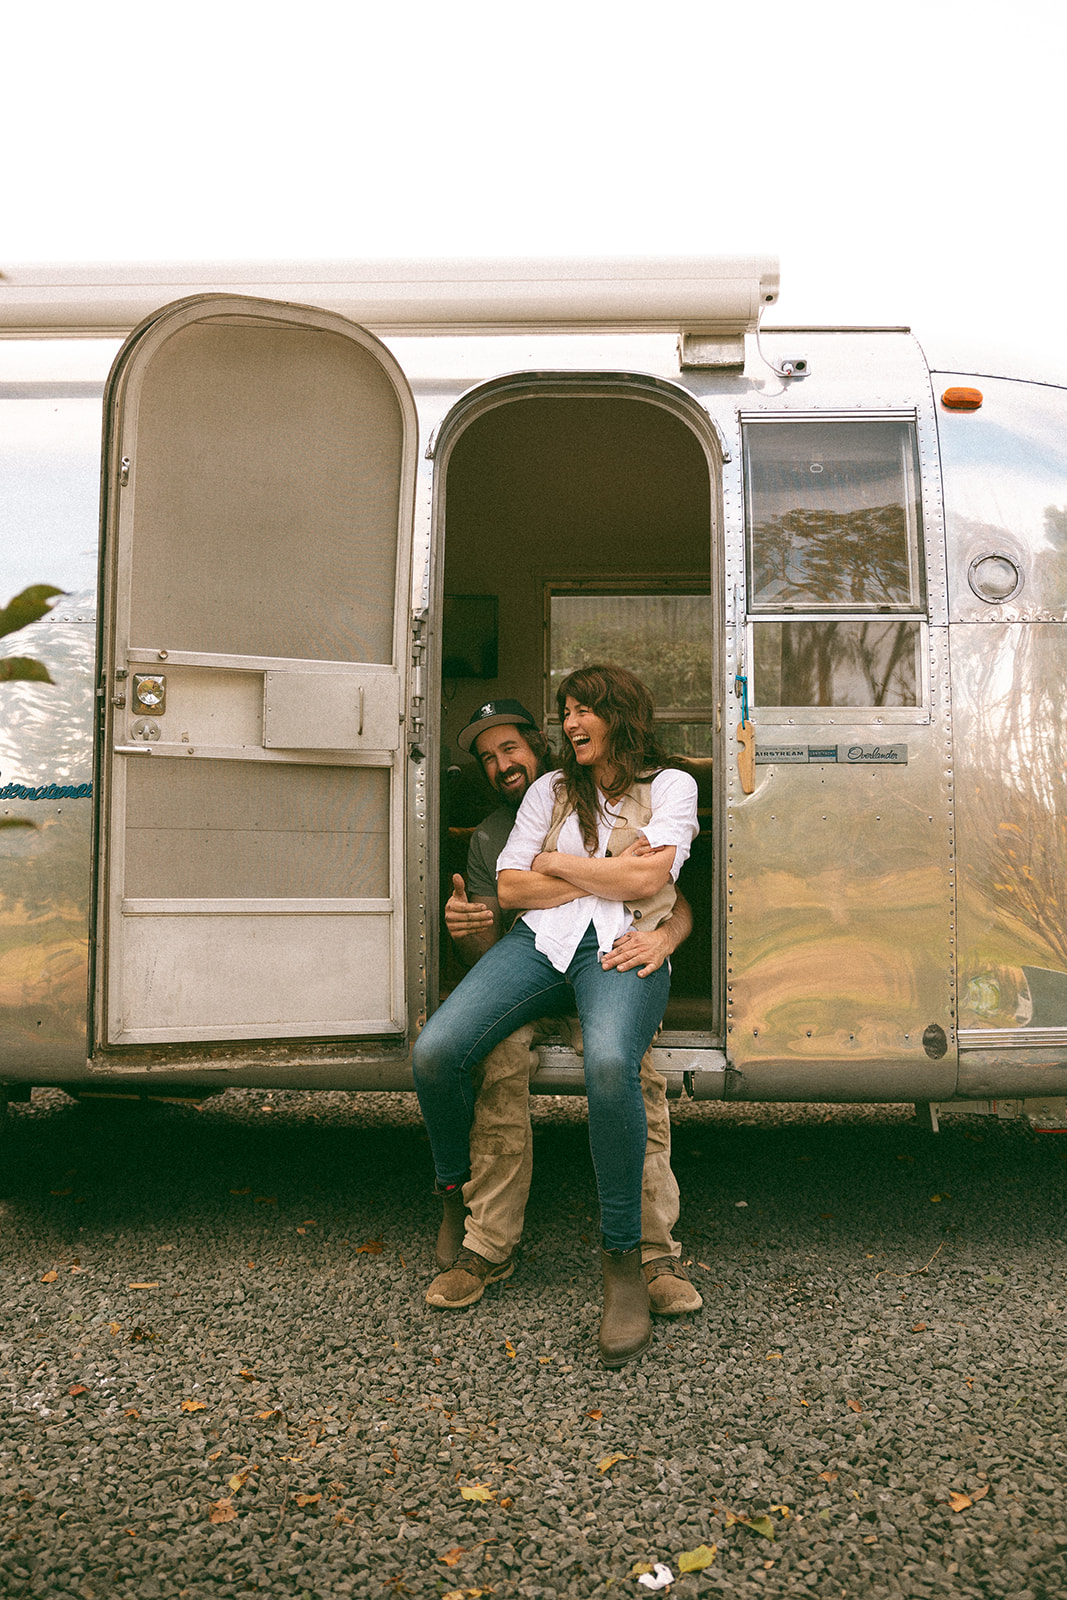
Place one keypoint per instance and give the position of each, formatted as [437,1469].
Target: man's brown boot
[670,1291]
[626,1327]
[466,1281]
[453,1222]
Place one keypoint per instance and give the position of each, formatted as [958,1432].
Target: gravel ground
[220,1378]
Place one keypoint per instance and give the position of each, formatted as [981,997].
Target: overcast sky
[903,160]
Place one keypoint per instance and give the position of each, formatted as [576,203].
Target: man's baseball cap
[491,715]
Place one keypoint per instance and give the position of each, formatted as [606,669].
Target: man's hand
[464,917]
[648,951]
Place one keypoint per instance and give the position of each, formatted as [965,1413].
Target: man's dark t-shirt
[487,841]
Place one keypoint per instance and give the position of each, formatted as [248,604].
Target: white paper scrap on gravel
[660,1576]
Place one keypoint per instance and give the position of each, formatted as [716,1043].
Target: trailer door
[259,478]
[841,907]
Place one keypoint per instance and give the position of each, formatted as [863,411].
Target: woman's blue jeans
[513,983]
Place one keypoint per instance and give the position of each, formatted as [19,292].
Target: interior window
[833,525]
[664,637]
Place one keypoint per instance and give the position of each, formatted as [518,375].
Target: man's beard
[513,796]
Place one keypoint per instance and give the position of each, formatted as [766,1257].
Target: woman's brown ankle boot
[626,1327]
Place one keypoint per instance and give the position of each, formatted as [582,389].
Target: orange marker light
[962,399]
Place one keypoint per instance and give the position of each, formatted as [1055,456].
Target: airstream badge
[889,755]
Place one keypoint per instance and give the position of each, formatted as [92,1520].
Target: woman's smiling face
[590,735]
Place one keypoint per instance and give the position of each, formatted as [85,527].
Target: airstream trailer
[341,506]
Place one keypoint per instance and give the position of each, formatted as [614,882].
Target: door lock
[149,693]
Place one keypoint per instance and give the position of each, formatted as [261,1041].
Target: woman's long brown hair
[626,706]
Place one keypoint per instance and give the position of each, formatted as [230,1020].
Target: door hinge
[418,692]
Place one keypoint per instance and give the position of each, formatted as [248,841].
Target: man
[482,1221]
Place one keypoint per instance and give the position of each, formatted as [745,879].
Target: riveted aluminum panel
[1005,476]
[46,780]
[840,928]
[1008,681]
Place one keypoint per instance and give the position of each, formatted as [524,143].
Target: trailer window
[851,662]
[665,637]
[833,525]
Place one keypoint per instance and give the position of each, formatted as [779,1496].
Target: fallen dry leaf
[828,1477]
[960,1502]
[266,1199]
[477,1491]
[451,1557]
[611,1461]
[594,1416]
[370,1247]
[143,1285]
[265,1416]
[918,1327]
[78,1388]
[50,1277]
[308,1499]
[774,1355]
[246,1375]
[510,1349]
[132,1413]
[762,1525]
[238,1480]
[194,1405]
[114,1327]
[696,1560]
[222,1511]
[854,1405]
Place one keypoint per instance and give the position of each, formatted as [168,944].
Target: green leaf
[762,1525]
[29,606]
[23,669]
[696,1560]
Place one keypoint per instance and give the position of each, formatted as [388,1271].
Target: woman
[595,848]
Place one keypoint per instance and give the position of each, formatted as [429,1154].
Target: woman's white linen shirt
[558,930]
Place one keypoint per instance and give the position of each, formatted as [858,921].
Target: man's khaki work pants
[501,1146]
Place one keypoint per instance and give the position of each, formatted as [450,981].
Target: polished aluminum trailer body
[236,774]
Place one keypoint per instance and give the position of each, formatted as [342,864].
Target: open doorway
[578,525]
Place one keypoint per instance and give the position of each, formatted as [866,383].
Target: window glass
[843,662]
[664,638]
[832,516]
